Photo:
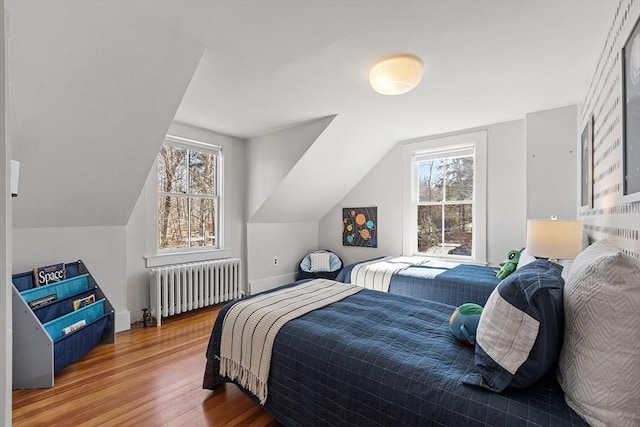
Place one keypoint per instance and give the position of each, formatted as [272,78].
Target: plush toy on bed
[464,322]
[509,265]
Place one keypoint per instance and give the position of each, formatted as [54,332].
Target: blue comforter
[456,286]
[377,359]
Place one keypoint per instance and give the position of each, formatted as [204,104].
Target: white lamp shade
[554,239]
[396,75]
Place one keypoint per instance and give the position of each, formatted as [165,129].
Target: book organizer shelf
[56,324]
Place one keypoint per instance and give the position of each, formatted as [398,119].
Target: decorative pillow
[520,331]
[566,268]
[599,365]
[320,261]
[525,259]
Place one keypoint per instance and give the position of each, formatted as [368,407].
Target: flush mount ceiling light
[396,75]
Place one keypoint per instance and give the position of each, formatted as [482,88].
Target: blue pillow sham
[520,332]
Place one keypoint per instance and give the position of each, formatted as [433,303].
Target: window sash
[191,144]
[194,195]
[197,146]
[441,155]
[459,145]
[445,153]
[447,202]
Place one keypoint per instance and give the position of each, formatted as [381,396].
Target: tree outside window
[188,199]
[445,202]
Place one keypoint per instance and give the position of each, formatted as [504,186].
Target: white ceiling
[94,85]
[269,64]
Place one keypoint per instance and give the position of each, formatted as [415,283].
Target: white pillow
[566,268]
[599,365]
[320,261]
[525,259]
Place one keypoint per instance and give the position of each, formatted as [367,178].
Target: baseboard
[257,286]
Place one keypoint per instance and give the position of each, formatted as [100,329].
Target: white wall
[137,274]
[288,242]
[141,231]
[506,194]
[102,249]
[6,339]
[552,163]
[115,256]
[382,187]
[271,157]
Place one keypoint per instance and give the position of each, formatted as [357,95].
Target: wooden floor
[149,377]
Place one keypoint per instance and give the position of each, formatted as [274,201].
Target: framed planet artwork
[360,227]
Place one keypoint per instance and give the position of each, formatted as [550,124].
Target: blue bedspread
[456,286]
[378,359]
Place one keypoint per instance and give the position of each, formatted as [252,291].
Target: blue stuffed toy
[464,322]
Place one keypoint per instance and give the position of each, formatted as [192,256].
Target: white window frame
[410,151]
[191,144]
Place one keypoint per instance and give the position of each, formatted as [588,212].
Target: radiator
[180,288]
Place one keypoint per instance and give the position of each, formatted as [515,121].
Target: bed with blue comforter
[453,284]
[379,359]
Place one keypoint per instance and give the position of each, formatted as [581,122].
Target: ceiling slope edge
[271,157]
[341,156]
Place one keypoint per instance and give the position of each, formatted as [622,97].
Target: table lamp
[554,239]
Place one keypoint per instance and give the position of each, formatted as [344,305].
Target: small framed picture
[360,227]
[631,116]
[586,165]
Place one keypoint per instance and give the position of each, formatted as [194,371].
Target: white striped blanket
[377,274]
[250,328]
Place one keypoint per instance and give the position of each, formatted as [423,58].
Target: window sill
[461,260]
[179,258]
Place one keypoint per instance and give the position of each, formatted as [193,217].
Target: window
[444,203]
[445,197]
[188,195]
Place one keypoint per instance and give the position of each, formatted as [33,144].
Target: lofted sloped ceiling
[322,175]
[93,86]
[270,159]
[271,64]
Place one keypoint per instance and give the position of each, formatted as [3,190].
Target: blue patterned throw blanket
[251,326]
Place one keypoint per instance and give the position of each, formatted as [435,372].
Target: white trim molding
[187,256]
[479,140]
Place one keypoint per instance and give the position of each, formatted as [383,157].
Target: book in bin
[83,302]
[74,327]
[49,274]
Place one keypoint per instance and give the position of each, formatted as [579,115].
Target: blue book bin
[51,329]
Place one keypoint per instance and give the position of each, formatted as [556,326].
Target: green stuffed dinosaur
[509,265]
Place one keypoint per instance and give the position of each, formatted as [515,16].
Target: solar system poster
[360,227]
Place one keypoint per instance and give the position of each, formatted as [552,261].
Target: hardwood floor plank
[149,377]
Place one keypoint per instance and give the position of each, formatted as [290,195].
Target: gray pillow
[599,364]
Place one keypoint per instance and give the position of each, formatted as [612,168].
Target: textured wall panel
[610,218]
